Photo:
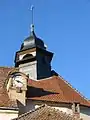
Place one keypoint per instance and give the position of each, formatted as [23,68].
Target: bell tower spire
[33,59]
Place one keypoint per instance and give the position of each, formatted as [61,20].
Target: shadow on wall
[37,92]
[85,110]
[21,107]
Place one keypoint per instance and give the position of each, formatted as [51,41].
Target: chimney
[76,110]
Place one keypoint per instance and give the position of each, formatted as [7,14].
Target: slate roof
[46,113]
[54,89]
[34,42]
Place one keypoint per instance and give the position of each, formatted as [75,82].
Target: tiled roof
[54,89]
[4,98]
[46,113]
[3,74]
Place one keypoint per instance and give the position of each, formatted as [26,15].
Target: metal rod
[32,9]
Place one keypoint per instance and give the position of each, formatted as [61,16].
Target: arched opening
[28,56]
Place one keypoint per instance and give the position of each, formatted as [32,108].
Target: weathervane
[32,23]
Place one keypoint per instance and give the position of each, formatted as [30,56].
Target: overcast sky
[64,25]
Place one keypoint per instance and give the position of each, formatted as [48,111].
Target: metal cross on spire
[32,23]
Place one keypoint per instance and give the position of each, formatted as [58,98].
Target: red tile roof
[51,89]
[54,89]
[46,113]
[3,74]
[4,98]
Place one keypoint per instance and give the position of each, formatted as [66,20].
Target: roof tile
[54,89]
[46,113]
[4,98]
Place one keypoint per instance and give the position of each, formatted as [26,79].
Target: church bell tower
[33,59]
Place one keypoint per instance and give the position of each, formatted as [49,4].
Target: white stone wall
[8,114]
[29,68]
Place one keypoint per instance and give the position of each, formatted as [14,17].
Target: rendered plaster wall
[8,114]
[29,69]
[17,96]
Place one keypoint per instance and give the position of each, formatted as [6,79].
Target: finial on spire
[32,27]
[32,23]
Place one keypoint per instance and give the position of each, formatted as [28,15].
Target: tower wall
[29,68]
[43,66]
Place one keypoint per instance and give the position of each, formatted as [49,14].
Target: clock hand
[18,81]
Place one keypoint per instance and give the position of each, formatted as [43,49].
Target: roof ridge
[6,66]
[73,88]
[39,80]
[31,111]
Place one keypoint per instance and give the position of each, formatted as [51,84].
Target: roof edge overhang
[56,102]
[63,102]
[9,108]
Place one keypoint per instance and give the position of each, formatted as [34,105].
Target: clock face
[17,81]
